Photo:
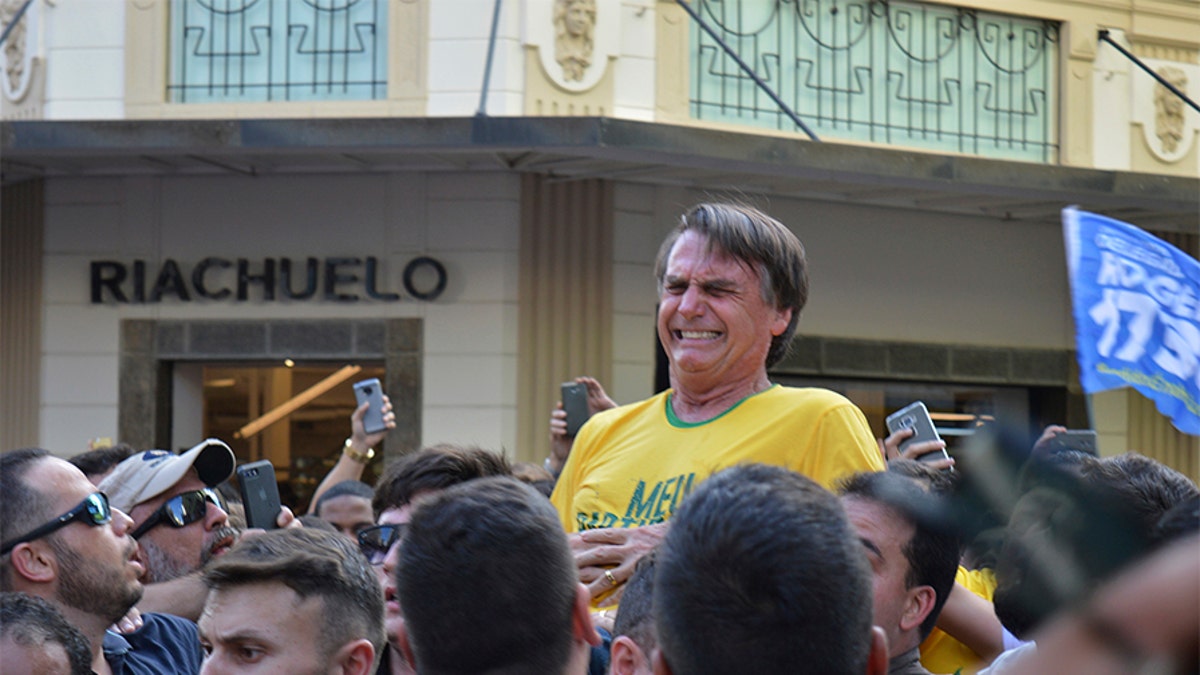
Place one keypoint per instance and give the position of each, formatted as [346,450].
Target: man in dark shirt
[62,542]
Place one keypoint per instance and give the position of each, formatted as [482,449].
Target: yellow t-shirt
[633,465]
[941,653]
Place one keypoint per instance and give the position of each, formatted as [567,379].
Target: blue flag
[1137,314]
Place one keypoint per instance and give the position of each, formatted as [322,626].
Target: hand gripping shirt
[632,466]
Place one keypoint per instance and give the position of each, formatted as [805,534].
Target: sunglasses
[377,540]
[93,510]
[181,510]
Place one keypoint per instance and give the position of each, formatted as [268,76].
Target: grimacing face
[713,321]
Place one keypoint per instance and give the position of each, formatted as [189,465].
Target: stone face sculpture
[1168,109]
[574,36]
[14,46]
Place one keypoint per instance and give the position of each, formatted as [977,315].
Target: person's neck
[93,628]
[692,403]
[397,662]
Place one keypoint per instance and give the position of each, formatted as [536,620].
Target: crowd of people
[726,525]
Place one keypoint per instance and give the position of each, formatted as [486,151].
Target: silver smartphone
[574,400]
[915,416]
[1083,440]
[369,391]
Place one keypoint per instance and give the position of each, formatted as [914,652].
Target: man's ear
[581,615]
[356,658]
[920,604]
[877,661]
[35,562]
[779,324]
[626,656]
[661,667]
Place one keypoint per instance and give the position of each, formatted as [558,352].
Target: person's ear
[581,615]
[355,658]
[34,561]
[780,323]
[661,667]
[626,656]
[920,603]
[877,660]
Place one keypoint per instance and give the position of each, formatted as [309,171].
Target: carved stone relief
[574,36]
[1168,109]
[17,51]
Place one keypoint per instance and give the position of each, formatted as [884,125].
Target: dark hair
[313,563]
[937,481]
[932,551]
[761,572]
[354,488]
[635,615]
[1181,521]
[751,236]
[434,468]
[100,460]
[1077,528]
[487,581]
[22,508]
[30,621]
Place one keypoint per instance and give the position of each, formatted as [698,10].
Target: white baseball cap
[148,474]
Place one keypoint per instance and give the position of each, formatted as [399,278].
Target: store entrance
[297,415]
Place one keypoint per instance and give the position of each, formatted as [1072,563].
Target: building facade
[467,204]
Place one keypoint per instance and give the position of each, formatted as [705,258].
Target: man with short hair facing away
[761,573]
[424,472]
[634,638]
[61,541]
[488,584]
[913,564]
[732,282]
[292,601]
[35,639]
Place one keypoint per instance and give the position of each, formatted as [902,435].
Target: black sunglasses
[93,510]
[377,540]
[181,510]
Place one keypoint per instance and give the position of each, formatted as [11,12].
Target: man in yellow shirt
[732,282]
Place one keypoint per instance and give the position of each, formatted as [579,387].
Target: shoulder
[165,639]
[811,397]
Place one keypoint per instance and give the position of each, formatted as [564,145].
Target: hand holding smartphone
[575,404]
[260,494]
[369,391]
[915,416]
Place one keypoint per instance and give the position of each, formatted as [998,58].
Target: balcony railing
[884,71]
[235,51]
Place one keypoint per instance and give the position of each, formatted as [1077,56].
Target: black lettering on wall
[333,277]
[267,279]
[199,283]
[169,281]
[107,274]
[373,282]
[310,279]
[410,272]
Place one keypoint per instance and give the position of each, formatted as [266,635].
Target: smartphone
[369,391]
[574,400]
[915,416]
[260,494]
[1083,440]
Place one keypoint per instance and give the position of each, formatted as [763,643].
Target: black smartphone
[260,494]
[915,416]
[574,400]
[369,391]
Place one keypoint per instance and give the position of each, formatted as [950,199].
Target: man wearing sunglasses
[179,520]
[60,540]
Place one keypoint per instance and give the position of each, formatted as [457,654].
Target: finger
[941,464]
[359,412]
[605,535]
[916,450]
